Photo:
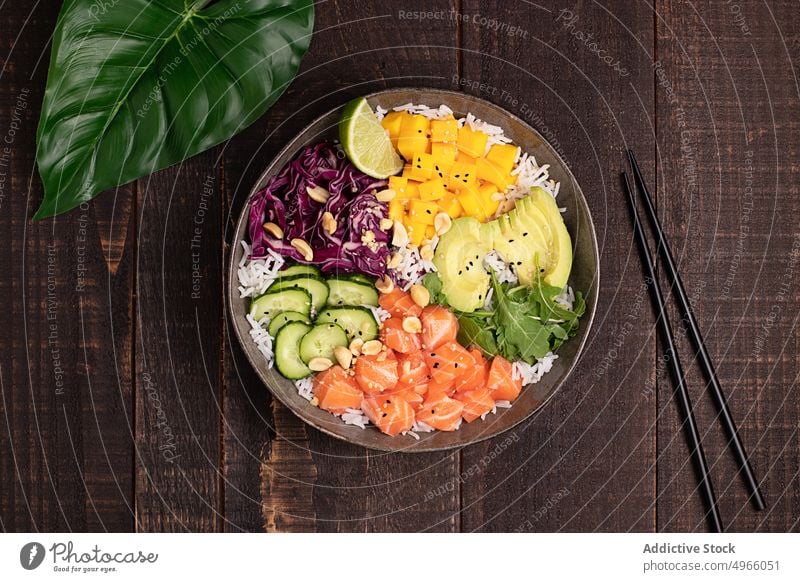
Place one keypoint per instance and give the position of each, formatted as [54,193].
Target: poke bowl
[415,271]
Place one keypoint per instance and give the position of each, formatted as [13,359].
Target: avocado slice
[459,262]
[560,259]
[532,237]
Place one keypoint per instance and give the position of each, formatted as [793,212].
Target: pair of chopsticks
[673,360]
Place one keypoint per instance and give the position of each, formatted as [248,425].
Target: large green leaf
[138,85]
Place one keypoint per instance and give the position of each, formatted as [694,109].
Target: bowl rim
[291,147]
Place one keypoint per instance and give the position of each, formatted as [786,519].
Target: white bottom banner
[396,557]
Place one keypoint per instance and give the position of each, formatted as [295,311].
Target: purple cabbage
[358,245]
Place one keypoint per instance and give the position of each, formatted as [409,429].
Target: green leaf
[476,331]
[433,284]
[138,85]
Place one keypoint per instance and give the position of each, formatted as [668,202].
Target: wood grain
[727,134]
[125,404]
[66,342]
[585,462]
[279,473]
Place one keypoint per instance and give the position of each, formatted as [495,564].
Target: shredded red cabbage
[285,202]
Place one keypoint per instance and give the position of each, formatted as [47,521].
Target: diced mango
[413,137]
[465,159]
[488,192]
[397,183]
[391,123]
[503,156]
[421,167]
[444,130]
[461,175]
[490,172]
[444,152]
[451,206]
[422,211]
[472,203]
[416,232]
[397,209]
[430,232]
[412,191]
[432,189]
[472,143]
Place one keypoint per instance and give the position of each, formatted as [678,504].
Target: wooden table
[127,405]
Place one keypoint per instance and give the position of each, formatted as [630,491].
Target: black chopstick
[671,357]
[696,337]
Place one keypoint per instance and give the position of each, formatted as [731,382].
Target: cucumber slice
[317,288]
[357,322]
[307,270]
[344,292]
[287,350]
[321,341]
[271,304]
[277,322]
[357,277]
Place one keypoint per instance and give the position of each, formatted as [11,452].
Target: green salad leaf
[525,323]
[139,85]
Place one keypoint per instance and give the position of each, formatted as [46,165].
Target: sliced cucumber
[321,341]
[271,304]
[287,350]
[344,292]
[307,270]
[317,288]
[357,277]
[281,319]
[357,322]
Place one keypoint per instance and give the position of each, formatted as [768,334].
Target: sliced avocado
[560,259]
[459,262]
[532,237]
[524,243]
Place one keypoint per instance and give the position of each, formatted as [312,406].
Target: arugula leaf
[475,330]
[144,85]
[433,284]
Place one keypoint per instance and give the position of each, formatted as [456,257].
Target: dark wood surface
[127,405]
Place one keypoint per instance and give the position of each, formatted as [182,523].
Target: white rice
[356,417]
[261,338]
[502,270]
[531,374]
[379,313]
[566,299]
[305,387]
[412,267]
[255,276]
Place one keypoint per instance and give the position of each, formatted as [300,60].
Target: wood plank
[734,232]
[178,348]
[66,379]
[302,480]
[586,462]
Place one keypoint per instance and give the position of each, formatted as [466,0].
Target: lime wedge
[365,141]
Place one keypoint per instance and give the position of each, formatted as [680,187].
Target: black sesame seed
[388,402]
[455,365]
[511,240]
[519,263]
[429,211]
[384,415]
[433,355]
[436,364]
[524,234]
[460,272]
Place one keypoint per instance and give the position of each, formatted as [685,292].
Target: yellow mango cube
[430,232]
[391,123]
[422,211]
[432,190]
[397,209]
[451,207]
[472,203]
[488,193]
[465,159]
[413,136]
[503,156]
[472,143]
[416,232]
[412,190]
[421,167]
[462,175]
[488,171]
[444,130]
[444,152]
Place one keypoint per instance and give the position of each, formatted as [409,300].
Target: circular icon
[31,555]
